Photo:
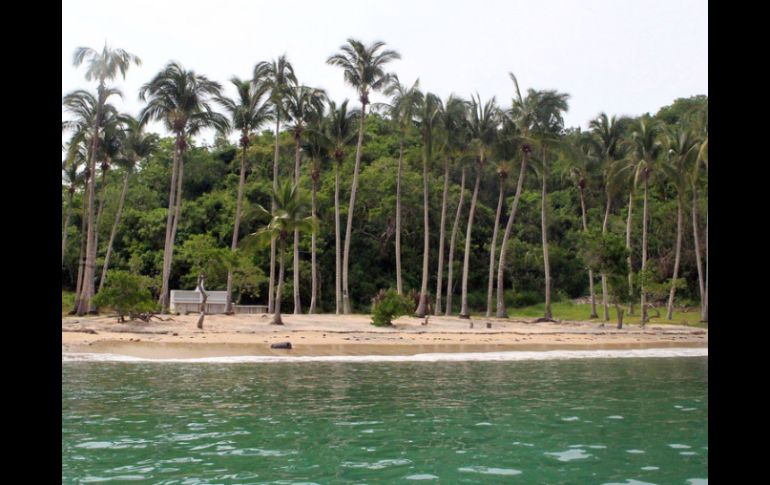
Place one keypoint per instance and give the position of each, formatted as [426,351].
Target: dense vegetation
[167,205]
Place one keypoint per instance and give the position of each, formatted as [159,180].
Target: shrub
[126,293]
[388,305]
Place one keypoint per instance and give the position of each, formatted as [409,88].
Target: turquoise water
[584,421]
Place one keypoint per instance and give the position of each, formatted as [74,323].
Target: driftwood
[83,330]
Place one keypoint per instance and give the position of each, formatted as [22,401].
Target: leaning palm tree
[137,145]
[429,118]
[682,151]
[363,68]
[401,109]
[338,132]
[181,99]
[247,112]
[277,77]
[303,105]
[289,215]
[482,127]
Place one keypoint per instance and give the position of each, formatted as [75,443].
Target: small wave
[485,470]
[69,357]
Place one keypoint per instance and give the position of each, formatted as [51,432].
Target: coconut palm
[454,131]
[181,99]
[403,104]
[695,179]
[72,175]
[248,111]
[101,67]
[429,118]
[289,215]
[136,146]
[303,105]
[482,128]
[363,68]
[339,133]
[277,77]
[502,168]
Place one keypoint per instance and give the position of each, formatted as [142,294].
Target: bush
[526,298]
[388,305]
[126,293]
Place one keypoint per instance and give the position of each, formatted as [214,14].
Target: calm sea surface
[624,421]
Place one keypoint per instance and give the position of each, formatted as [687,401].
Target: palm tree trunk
[114,231]
[313,267]
[163,300]
[605,295]
[337,242]
[421,307]
[501,313]
[452,241]
[349,229]
[277,315]
[82,256]
[236,227]
[295,271]
[66,225]
[464,313]
[701,283]
[704,314]
[590,271]
[175,223]
[439,276]
[628,246]
[271,283]
[492,249]
[644,253]
[544,230]
[399,288]
[670,314]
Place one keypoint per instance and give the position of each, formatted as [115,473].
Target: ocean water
[630,421]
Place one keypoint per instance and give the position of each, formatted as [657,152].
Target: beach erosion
[330,336]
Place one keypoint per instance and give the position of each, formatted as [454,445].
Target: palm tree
[502,170]
[429,117]
[482,127]
[72,175]
[181,99]
[645,151]
[682,151]
[277,77]
[302,106]
[136,146]
[454,130]
[363,68]
[339,132]
[607,134]
[288,216]
[247,112]
[401,109]
[100,67]
[702,158]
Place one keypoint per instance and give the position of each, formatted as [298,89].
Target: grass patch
[572,311]
[67,301]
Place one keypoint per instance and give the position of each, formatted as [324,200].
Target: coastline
[176,336]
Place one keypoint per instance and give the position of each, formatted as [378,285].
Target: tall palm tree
[181,99]
[403,104]
[682,152]
[502,170]
[363,68]
[339,133]
[695,180]
[454,131]
[101,67]
[136,146]
[289,215]
[277,77]
[302,106]
[72,175]
[482,128]
[248,111]
[607,134]
[429,118]
[645,151]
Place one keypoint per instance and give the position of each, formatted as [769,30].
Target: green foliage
[126,293]
[388,305]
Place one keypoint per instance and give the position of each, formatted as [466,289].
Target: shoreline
[176,336]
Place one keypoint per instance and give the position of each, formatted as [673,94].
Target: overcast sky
[618,56]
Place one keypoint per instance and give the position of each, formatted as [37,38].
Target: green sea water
[624,421]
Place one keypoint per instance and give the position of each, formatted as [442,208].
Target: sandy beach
[176,336]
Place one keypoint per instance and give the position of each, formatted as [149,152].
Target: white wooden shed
[188,301]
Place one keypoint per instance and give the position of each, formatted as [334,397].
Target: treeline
[469,205]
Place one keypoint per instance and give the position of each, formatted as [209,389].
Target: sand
[176,336]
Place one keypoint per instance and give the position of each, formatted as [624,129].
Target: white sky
[618,56]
